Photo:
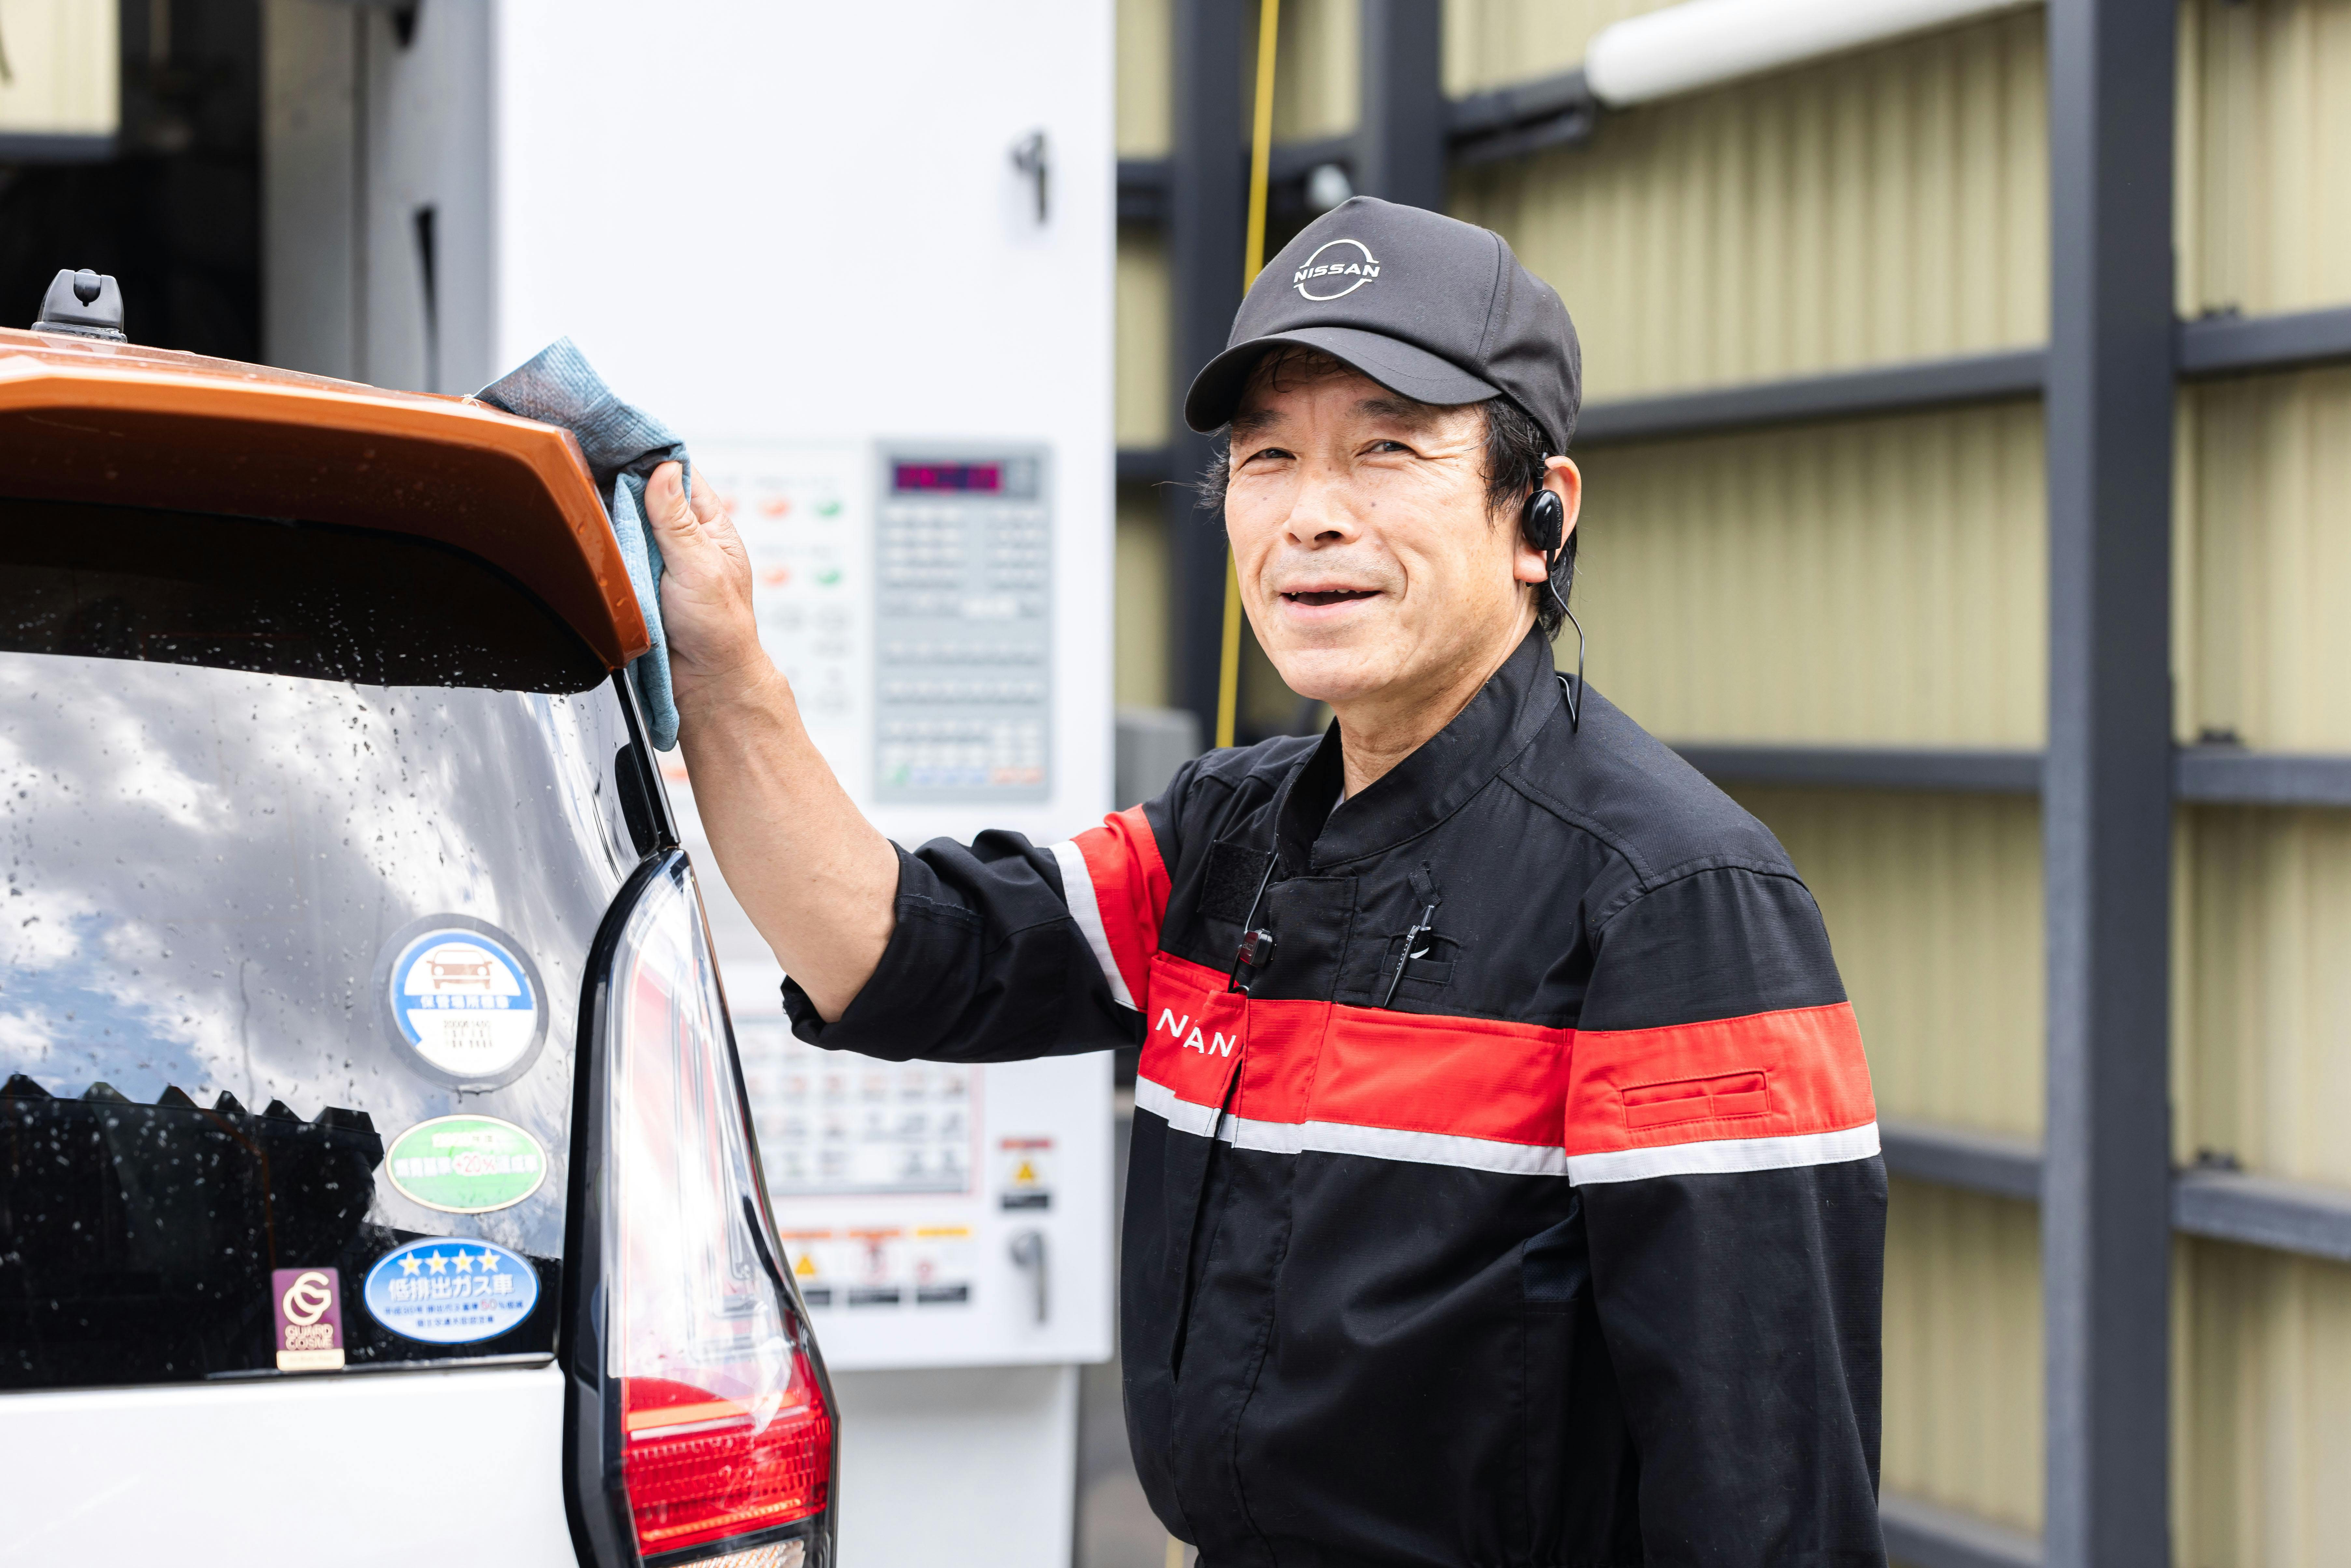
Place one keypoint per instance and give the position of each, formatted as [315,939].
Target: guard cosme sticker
[308,1305]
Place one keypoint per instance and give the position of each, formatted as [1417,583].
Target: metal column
[1400,145]
[1206,202]
[2106,802]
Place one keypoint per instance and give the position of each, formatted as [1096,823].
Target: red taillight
[723,1428]
[700,1468]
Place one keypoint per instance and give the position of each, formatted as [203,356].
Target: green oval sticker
[465,1164]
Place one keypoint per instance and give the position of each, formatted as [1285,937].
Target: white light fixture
[1701,43]
[1327,186]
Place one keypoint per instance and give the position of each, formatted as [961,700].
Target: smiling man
[1505,1185]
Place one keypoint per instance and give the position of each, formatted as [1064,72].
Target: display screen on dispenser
[1012,478]
[916,478]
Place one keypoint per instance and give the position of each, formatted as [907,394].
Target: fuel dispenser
[861,258]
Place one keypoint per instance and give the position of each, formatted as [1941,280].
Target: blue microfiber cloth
[624,446]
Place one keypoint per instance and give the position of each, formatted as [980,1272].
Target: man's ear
[1562,479]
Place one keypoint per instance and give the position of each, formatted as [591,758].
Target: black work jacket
[1562,1246]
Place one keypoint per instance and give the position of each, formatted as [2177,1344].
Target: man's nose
[1321,512]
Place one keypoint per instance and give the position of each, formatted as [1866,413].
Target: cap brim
[1398,366]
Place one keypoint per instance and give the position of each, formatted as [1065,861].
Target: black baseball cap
[1423,304]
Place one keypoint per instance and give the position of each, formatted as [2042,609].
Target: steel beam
[1142,465]
[2220,1202]
[1961,771]
[35,147]
[1401,138]
[2238,345]
[1842,395]
[1529,117]
[2228,776]
[2106,1220]
[2262,1211]
[1993,1163]
[1143,189]
[1207,191]
[1924,1535]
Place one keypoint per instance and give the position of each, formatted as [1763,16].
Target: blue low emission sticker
[450,1293]
[464,999]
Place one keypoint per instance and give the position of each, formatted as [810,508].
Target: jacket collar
[1428,786]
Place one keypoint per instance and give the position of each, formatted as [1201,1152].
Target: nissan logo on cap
[1331,278]
[1455,318]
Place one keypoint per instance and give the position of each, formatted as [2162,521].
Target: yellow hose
[1269,26]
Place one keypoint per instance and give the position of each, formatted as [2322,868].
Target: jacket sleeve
[1004,951]
[1723,1140]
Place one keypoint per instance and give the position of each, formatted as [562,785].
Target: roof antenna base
[85,303]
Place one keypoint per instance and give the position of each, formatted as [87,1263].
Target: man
[1505,1183]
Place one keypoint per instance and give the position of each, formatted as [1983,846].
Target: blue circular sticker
[465,1001]
[450,1293]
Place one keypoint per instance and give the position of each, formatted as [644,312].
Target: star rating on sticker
[465,1263]
[489,1263]
[437,1262]
[411,1264]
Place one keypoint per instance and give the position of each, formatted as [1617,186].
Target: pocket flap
[1696,1100]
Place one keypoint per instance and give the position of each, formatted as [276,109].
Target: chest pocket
[1429,969]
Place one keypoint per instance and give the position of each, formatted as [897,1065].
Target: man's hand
[816,879]
[706,595]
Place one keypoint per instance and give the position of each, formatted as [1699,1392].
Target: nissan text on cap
[1423,304]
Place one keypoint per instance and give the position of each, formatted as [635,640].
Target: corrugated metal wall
[1493,43]
[2265,553]
[1141,303]
[2265,1031]
[1145,82]
[2262,1448]
[1880,206]
[1317,85]
[1880,582]
[1963,1352]
[1139,644]
[2262,1028]
[2265,129]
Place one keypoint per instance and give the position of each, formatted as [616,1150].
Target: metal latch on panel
[1028,1256]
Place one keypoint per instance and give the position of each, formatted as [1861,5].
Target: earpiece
[1544,524]
[1545,520]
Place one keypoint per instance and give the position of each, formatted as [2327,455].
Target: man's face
[1369,565]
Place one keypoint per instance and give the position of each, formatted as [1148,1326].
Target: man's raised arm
[814,876]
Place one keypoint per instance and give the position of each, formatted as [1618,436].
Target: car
[376,1178]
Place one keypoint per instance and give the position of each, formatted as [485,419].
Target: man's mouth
[1331,595]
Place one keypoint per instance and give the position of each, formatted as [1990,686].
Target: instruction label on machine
[1026,1172]
[831,1124]
[863,1268]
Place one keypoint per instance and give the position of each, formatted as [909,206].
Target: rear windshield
[299,890]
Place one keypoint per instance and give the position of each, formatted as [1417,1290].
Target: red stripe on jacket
[1130,889]
[1772,1075]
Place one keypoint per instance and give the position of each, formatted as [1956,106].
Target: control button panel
[963,626]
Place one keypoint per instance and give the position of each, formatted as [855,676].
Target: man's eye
[1272,453]
[1390,446]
